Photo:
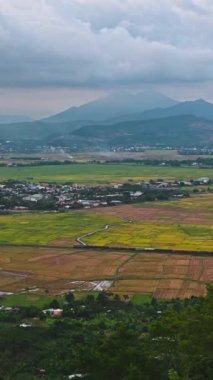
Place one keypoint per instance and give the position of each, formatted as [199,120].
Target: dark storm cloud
[102,43]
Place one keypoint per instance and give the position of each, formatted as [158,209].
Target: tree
[69,297]
[54,304]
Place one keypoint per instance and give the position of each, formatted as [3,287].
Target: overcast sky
[59,53]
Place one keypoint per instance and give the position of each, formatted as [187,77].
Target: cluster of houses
[46,196]
[139,148]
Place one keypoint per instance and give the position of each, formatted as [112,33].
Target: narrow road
[80,238]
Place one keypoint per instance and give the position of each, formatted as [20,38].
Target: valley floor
[39,253]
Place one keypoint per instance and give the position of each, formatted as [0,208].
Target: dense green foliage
[106,338]
[35,161]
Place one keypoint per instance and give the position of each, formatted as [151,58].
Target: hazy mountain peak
[114,105]
[198,107]
[200,100]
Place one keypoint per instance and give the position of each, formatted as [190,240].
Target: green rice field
[99,173]
[154,235]
[45,229]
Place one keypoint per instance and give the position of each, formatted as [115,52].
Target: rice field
[57,270]
[52,271]
[99,173]
[165,276]
[155,235]
[58,266]
[55,228]
[184,224]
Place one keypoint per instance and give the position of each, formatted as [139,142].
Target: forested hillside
[179,130]
[109,338]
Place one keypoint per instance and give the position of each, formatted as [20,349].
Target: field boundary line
[114,249]
[144,250]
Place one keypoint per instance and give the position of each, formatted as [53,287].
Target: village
[23,196]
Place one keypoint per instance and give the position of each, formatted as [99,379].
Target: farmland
[36,270]
[197,209]
[43,229]
[165,276]
[55,269]
[148,154]
[99,173]
[183,224]
[84,157]
[155,235]
[38,253]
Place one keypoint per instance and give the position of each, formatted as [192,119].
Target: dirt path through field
[106,227]
[80,238]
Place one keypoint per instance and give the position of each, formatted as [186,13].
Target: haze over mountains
[114,106]
[199,108]
[122,119]
[184,130]
[8,119]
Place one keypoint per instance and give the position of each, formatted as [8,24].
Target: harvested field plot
[161,266]
[54,269]
[161,214]
[62,270]
[145,286]
[165,276]
[194,210]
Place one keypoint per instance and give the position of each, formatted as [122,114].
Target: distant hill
[8,119]
[174,131]
[37,130]
[185,130]
[200,108]
[113,106]
[187,124]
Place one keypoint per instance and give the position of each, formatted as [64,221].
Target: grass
[99,173]
[140,299]
[81,295]
[39,301]
[26,300]
[42,229]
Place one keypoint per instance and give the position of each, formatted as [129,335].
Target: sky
[58,53]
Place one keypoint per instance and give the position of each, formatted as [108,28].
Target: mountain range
[184,130]
[115,120]
[199,108]
[113,106]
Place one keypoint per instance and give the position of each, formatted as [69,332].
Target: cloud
[98,43]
